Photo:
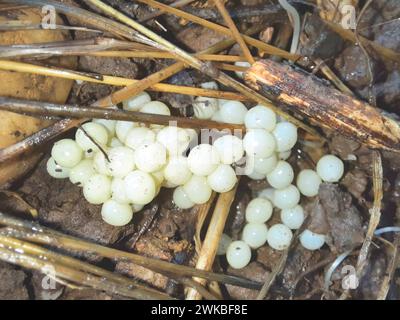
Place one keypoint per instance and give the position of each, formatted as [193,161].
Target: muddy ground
[162,231]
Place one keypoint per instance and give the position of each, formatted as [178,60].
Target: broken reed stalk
[115,81]
[309,96]
[235,32]
[138,291]
[43,109]
[202,213]
[210,244]
[194,62]
[34,232]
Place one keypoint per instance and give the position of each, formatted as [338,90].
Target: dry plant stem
[116,81]
[176,4]
[306,95]
[218,28]
[375,216]
[18,25]
[202,213]
[35,233]
[235,32]
[55,258]
[212,238]
[90,18]
[42,109]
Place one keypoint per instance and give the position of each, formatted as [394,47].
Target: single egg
[261,165]
[230,148]
[177,170]
[122,129]
[210,85]
[181,199]
[286,198]
[138,136]
[121,161]
[256,175]
[259,210]
[330,168]
[255,234]
[175,140]
[140,187]
[150,157]
[308,182]
[116,214]
[285,134]
[93,132]
[82,172]
[260,117]
[118,191]
[222,179]
[223,244]
[198,189]
[259,143]
[57,171]
[136,103]
[293,218]
[233,112]
[281,176]
[311,240]
[156,107]
[97,189]
[204,107]
[203,159]
[279,237]
[238,254]
[66,153]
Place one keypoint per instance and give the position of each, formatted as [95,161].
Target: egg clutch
[123,165]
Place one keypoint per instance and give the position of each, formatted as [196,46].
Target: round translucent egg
[122,129]
[140,187]
[118,191]
[238,254]
[279,237]
[66,153]
[330,168]
[97,189]
[230,148]
[281,176]
[293,218]
[203,159]
[136,103]
[260,117]
[175,140]
[222,179]
[156,107]
[177,170]
[259,210]
[198,189]
[308,182]
[311,240]
[94,132]
[108,124]
[259,143]
[121,161]
[286,198]
[150,157]
[138,136]
[115,213]
[261,165]
[233,112]
[204,107]
[255,234]
[82,172]
[181,199]
[267,193]
[57,171]
[285,134]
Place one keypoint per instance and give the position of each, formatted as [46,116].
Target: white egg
[108,124]
[285,134]
[181,199]
[97,132]
[308,182]
[204,107]
[233,112]
[118,191]
[311,240]
[156,107]
[122,161]
[238,254]
[230,148]
[260,117]
[286,198]
[122,129]
[223,244]
[259,210]
[175,140]
[259,143]
[101,164]
[261,165]
[67,153]
[203,159]
[136,103]
[330,168]
[115,142]
[140,187]
[116,214]
[97,189]
[57,171]
[150,157]
[279,237]
[217,117]
[256,176]
[284,155]
[241,64]
[138,136]
[136,207]
[177,170]
[222,179]
[198,189]
[255,234]
[267,193]
[211,85]
[293,218]
[82,172]
[281,176]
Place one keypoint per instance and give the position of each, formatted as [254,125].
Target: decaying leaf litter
[109,55]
